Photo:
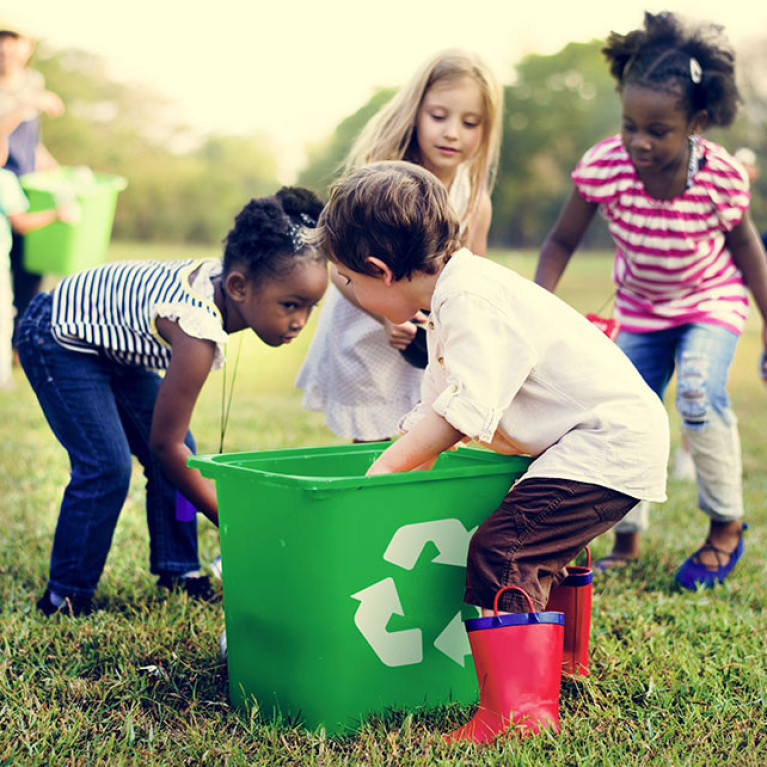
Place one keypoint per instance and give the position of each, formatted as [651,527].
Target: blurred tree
[557,108]
[749,129]
[326,159]
[174,194]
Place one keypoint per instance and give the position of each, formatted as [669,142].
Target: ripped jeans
[701,355]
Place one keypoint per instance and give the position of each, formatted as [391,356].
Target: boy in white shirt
[510,366]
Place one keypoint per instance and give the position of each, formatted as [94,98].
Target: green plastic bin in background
[343,594]
[67,248]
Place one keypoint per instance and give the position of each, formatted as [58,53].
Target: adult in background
[23,98]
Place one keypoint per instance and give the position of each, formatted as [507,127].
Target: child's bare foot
[625,551]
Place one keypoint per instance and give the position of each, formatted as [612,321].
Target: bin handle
[588,558]
[515,588]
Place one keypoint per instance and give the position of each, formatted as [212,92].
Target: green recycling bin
[62,248]
[343,594]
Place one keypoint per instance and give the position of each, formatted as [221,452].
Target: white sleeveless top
[351,373]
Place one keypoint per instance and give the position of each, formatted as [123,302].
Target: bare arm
[44,160]
[419,448]
[25,222]
[12,119]
[189,367]
[40,101]
[749,256]
[476,233]
[563,240]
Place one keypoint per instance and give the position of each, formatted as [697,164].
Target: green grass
[677,679]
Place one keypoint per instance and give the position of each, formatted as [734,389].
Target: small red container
[573,598]
[609,327]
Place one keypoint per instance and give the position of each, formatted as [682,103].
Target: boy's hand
[381,467]
[378,467]
[419,448]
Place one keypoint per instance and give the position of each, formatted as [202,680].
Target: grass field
[677,678]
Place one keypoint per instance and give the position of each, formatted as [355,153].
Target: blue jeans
[701,355]
[101,412]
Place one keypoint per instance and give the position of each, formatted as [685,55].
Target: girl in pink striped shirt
[677,207]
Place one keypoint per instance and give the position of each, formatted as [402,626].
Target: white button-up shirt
[514,367]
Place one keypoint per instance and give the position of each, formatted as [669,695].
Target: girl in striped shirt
[91,350]
[677,207]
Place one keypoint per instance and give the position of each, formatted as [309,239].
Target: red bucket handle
[588,558]
[515,588]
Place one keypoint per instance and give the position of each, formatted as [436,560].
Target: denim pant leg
[702,354]
[703,358]
[172,543]
[653,356]
[79,397]
[76,397]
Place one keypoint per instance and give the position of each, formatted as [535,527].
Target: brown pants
[541,525]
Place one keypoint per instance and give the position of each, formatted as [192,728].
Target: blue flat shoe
[693,573]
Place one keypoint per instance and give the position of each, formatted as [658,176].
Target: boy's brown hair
[395,211]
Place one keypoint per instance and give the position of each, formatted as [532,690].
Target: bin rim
[32,180]
[217,465]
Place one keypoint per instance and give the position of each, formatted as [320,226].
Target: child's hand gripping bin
[572,597]
[66,248]
[343,593]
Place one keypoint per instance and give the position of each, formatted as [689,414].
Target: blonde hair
[390,134]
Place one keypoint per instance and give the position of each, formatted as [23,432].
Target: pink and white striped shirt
[672,266]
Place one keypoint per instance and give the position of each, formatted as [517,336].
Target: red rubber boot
[518,660]
[573,598]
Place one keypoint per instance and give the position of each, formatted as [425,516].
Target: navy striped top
[112,310]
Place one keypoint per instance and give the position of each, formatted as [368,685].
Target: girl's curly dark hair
[695,62]
[266,233]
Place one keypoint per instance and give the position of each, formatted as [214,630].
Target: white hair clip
[296,233]
[696,72]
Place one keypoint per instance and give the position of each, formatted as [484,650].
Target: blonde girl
[447,119]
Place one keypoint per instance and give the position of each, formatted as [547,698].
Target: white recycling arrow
[377,604]
[449,536]
[454,641]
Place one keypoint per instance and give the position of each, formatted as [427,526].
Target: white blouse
[514,367]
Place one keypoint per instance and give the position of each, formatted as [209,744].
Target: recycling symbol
[380,601]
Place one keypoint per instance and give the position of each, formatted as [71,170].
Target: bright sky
[294,69]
